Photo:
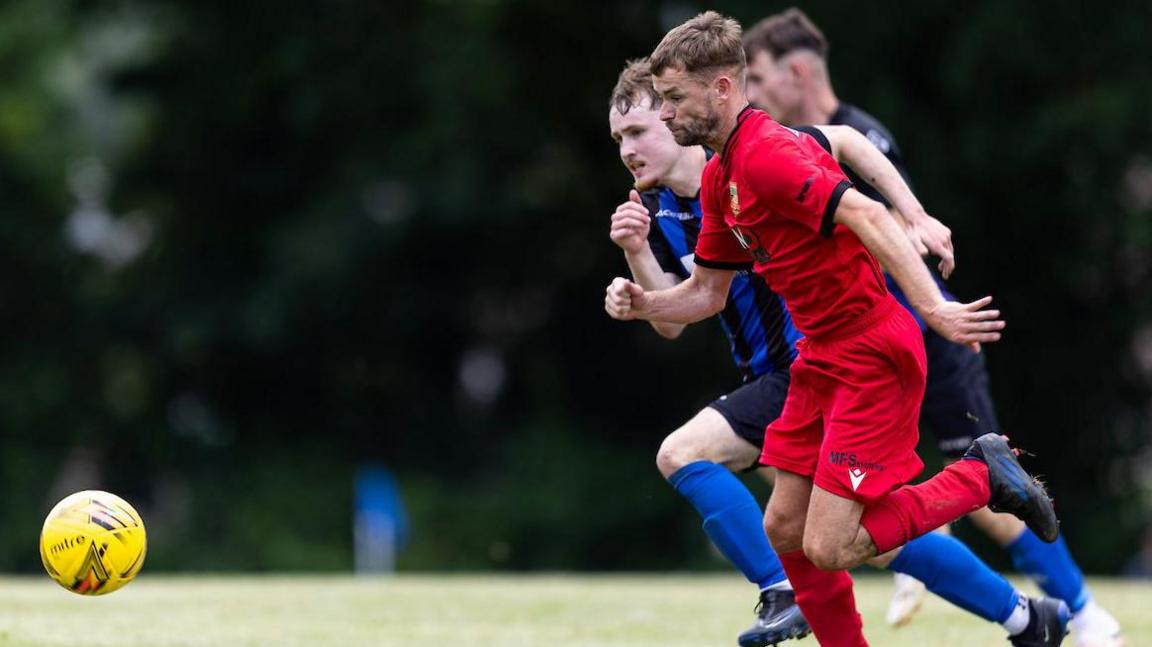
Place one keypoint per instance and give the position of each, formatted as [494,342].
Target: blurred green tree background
[251,246]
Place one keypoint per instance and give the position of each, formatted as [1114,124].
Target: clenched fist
[624,299]
[630,224]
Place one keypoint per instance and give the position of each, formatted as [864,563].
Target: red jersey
[770,195]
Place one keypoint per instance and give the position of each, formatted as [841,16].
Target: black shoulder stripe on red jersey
[721,265]
[826,225]
[818,135]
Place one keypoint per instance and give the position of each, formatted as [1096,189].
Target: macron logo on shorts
[857,476]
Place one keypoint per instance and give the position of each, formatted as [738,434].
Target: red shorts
[850,420]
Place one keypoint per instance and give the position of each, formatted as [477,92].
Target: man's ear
[798,69]
[724,85]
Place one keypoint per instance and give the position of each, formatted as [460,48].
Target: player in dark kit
[845,441]
[788,77]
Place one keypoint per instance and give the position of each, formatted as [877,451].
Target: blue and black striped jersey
[759,328]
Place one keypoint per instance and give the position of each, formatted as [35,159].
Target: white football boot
[1093,626]
[906,600]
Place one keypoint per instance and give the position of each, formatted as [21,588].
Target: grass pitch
[479,611]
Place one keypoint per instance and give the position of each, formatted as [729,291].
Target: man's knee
[834,539]
[706,437]
[785,530]
[839,553]
[677,450]
[828,554]
[786,516]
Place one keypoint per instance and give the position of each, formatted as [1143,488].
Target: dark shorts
[957,403]
[751,407]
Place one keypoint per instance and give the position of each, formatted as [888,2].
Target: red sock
[827,601]
[913,510]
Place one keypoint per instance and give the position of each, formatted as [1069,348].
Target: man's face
[773,88]
[688,109]
[646,146]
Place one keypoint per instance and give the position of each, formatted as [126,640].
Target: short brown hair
[634,84]
[707,42]
[785,32]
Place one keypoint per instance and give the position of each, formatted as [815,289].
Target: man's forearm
[877,170]
[884,239]
[687,303]
[646,272]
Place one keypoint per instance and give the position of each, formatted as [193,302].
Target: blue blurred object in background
[381,523]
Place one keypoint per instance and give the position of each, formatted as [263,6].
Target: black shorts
[750,408]
[957,403]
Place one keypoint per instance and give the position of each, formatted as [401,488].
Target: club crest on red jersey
[735,199]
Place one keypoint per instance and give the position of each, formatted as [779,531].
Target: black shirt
[849,115]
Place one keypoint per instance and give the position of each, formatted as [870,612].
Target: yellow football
[93,543]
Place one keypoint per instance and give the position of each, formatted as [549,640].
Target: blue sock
[951,570]
[732,519]
[1052,566]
